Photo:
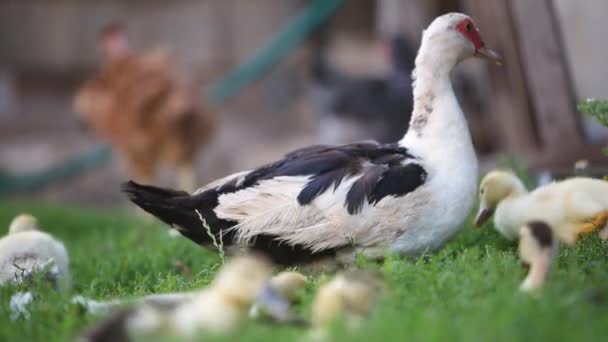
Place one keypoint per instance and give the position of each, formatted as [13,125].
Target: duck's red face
[470,32]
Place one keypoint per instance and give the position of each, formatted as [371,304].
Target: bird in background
[147,110]
[365,107]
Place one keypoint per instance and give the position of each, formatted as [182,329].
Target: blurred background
[270,76]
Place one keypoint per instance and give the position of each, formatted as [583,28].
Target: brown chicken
[149,113]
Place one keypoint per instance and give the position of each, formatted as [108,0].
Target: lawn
[465,292]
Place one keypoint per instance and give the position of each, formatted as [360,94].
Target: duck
[26,249]
[571,207]
[218,310]
[275,301]
[339,201]
[349,296]
[537,250]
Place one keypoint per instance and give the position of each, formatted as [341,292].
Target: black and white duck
[406,197]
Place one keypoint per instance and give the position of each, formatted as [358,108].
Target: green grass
[465,292]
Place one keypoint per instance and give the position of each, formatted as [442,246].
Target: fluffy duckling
[26,250]
[537,249]
[222,307]
[217,310]
[103,307]
[289,284]
[275,300]
[572,207]
[350,296]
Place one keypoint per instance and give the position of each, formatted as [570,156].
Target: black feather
[178,209]
[398,181]
[389,159]
[285,254]
[363,187]
[320,183]
[313,165]
[541,232]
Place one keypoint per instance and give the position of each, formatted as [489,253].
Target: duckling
[572,207]
[217,310]
[222,307]
[537,249]
[103,307]
[350,296]
[26,249]
[289,284]
[274,302]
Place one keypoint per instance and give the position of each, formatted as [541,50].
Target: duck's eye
[468,27]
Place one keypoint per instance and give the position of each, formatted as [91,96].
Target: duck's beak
[491,55]
[482,216]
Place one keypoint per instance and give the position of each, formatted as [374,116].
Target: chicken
[141,105]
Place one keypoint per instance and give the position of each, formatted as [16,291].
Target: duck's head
[289,284]
[242,279]
[537,246]
[494,188]
[23,223]
[454,37]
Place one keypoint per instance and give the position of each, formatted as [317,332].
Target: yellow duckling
[217,310]
[222,307]
[26,249]
[349,296]
[289,284]
[572,207]
[537,249]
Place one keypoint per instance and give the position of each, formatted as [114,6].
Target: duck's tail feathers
[180,210]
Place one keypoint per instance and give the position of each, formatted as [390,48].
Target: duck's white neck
[437,120]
